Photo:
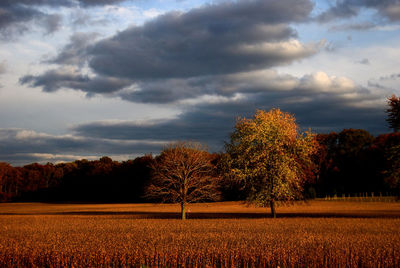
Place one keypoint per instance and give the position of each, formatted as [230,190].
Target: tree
[271,157]
[183,173]
[10,180]
[393,113]
[351,142]
[349,163]
[325,161]
[386,148]
[393,174]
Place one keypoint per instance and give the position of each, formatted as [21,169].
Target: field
[314,234]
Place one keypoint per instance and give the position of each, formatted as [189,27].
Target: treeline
[353,161]
[102,180]
[348,162]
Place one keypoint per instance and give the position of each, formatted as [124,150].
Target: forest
[350,162]
[346,163]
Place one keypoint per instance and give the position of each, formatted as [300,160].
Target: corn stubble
[120,240]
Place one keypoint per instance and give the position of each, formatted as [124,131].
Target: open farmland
[318,233]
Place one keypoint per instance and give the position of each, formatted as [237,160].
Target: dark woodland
[350,162]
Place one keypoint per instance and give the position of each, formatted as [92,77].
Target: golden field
[314,234]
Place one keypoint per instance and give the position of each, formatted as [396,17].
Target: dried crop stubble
[119,240]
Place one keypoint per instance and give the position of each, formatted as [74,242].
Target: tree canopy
[393,113]
[271,157]
[184,173]
[393,172]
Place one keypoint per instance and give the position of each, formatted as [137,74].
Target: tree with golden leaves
[271,157]
[184,173]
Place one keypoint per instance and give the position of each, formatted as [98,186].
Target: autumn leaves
[266,154]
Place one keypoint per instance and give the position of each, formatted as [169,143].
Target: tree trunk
[183,211]
[272,205]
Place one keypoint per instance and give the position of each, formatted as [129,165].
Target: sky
[81,79]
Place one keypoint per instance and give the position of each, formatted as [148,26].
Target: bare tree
[184,173]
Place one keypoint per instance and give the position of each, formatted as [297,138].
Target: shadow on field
[221,215]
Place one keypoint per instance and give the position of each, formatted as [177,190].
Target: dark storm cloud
[170,57]
[74,53]
[390,77]
[354,27]
[389,9]
[364,61]
[51,23]
[12,18]
[54,80]
[214,39]
[209,123]
[318,101]
[3,67]
[341,10]
[14,14]
[227,86]
[81,18]
[20,146]
[9,3]
[99,2]
[321,102]
[175,89]
[212,123]
[196,125]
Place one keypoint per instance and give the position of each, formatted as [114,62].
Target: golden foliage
[271,156]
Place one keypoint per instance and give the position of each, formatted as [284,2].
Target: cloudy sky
[88,78]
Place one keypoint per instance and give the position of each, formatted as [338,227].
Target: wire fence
[361,197]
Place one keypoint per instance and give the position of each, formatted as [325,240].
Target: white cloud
[321,82]
[384,59]
[268,79]
[291,49]
[152,13]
